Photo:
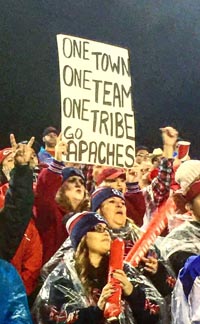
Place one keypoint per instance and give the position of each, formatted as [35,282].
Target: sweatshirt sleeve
[135,203]
[49,181]
[161,184]
[17,212]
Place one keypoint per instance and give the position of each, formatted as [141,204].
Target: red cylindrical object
[156,226]
[113,305]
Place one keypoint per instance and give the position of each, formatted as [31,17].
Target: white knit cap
[187,173]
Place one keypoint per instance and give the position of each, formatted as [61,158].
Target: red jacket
[28,257]
[48,214]
[135,203]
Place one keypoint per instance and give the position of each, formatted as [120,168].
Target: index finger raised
[59,138]
[13,141]
[31,141]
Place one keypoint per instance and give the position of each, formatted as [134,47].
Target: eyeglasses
[76,179]
[143,155]
[99,228]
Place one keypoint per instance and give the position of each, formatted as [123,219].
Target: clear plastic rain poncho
[13,306]
[184,239]
[69,288]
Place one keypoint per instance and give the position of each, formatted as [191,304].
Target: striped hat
[103,193]
[80,223]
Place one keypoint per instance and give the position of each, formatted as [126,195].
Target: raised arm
[17,211]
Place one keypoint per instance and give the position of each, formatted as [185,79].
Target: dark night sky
[163,37]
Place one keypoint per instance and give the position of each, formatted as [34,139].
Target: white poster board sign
[97,117]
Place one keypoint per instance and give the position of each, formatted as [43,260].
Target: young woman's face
[98,240]
[117,183]
[8,165]
[114,211]
[74,188]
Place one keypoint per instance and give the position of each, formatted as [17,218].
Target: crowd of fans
[58,220]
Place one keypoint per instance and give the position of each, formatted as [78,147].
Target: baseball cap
[110,173]
[49,130]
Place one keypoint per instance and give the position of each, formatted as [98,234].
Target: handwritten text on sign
[97,113]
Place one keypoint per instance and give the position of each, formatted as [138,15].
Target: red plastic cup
[183,150]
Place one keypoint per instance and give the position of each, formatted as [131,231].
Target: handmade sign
[96,102]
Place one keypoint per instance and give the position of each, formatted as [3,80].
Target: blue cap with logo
[103,193]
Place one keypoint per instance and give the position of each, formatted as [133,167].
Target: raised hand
[22,152]
[133,174]
[151,264]
[169,135]
[60,148]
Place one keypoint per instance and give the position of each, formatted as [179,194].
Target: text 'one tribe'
[108,123]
